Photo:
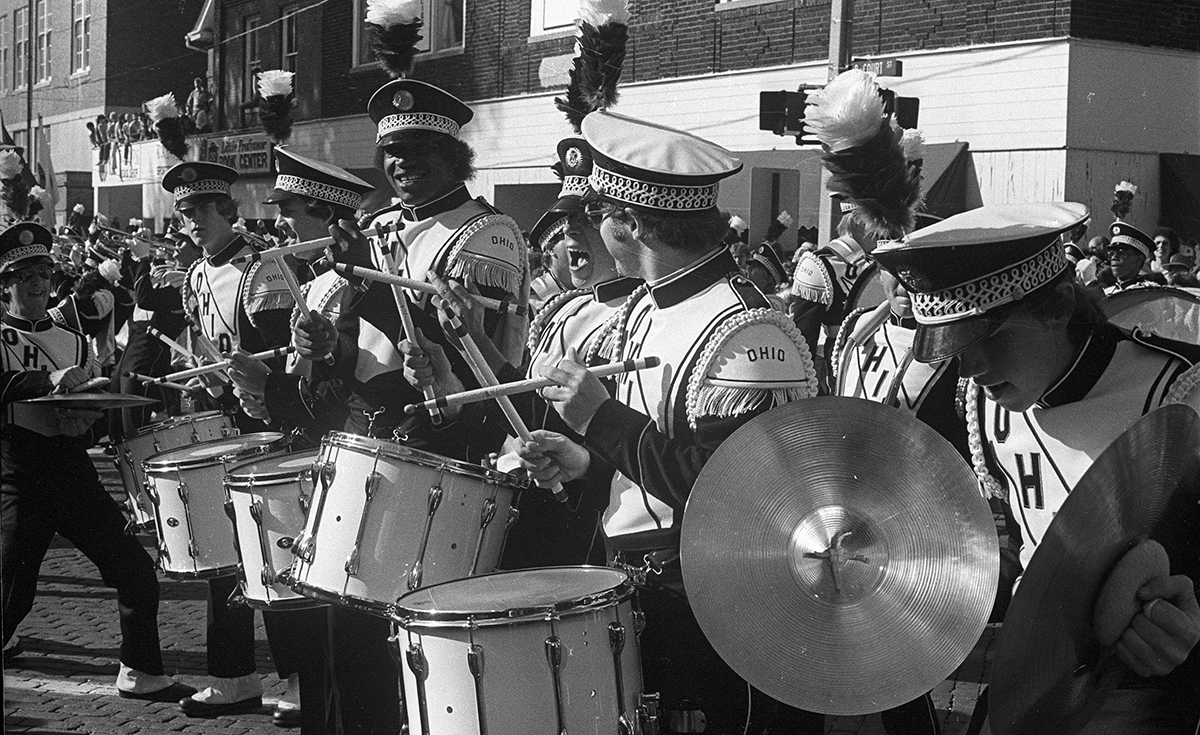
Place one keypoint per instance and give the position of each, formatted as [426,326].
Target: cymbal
[90,401]
[838,555]
[1048,665]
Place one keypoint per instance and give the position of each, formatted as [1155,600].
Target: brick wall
[1164,23]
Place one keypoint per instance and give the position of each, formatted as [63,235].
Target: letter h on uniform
[1031,480]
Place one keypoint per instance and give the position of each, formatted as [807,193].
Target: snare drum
[387,519]
[536,650]
[195,533]
[151,439]
[270,498]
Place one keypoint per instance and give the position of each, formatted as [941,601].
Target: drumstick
[221,365]
[406,321]
[373,275]
[525,386]
[294,287]
[485,375]
[150,379]
[172,344]
[299,248]
[93,383]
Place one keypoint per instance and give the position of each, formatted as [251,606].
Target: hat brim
[938,342]
[278,196]
[27,261]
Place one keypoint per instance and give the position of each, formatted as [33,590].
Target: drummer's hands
[205,383]
[248,374]
[425,364]
[577,395]
[64,380]
[552,458]
[350,244]
[453,298]
[512,334]
[75,421]
[252,405]
[1161,636]
[314,336]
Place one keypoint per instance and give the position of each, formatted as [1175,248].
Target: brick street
[63,682]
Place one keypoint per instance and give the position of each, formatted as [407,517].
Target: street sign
[880,67]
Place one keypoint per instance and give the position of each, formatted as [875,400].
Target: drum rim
[408,617]
[345,440]
[153,463]
[187,418]
[235,481]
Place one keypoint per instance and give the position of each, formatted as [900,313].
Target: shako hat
[769,259]
[573,167]
[304,176]
[961,270]
[24,244]
[654,167]
[407,104]
[194,178]
[1123,233]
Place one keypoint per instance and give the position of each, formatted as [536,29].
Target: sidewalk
[63,682]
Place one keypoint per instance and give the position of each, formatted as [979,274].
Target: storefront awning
[203,35]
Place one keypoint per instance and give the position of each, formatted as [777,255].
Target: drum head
[368,445]
[275,468]
[212,452]
[506,596]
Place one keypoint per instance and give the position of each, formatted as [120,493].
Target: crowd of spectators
[114,134]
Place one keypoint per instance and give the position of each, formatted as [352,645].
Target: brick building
[1021,100]
[90,57]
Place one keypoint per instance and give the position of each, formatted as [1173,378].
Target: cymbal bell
[838,555]
[1049,670]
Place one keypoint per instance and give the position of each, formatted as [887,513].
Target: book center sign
[249,155]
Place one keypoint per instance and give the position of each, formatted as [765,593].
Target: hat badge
[26,237]
[574,157]
[403,100]
[188,175]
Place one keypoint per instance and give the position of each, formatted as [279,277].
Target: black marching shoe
[286,717]
[193,708]
[172,693]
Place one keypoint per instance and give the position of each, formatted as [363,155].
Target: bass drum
[1172,313]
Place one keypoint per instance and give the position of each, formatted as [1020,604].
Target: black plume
[877,178]
[395,47]
[595,71]
[170,134]
[275,114]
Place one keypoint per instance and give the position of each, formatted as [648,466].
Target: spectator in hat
[1129,251]
[1180,272]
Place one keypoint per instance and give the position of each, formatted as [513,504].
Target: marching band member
[243,306]
[726,357]
[1129,250]
[1058,384]
[48,484]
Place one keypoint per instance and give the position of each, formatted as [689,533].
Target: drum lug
[229,511]
[305,502]
[513,515]
[370,486]
[554,654]
[616,641]
[475,664]
[639,622]
[417,571]
[485,519]
[648,713]
[417,665]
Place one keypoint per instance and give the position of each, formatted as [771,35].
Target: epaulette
[839,342]
[752,357]
[813,280]
[549,308]
[254,302]
[487,263]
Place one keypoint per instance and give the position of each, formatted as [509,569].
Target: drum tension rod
[616,641]
[417,665]
[554,656]
[371,484]
[475,664]
[415,574]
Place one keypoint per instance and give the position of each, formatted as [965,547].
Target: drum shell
[196,536]
[517,681]
[152,439]
[388,532]
[283,499]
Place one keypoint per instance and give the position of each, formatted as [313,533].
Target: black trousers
[147,356]
[49,486]
[365,675]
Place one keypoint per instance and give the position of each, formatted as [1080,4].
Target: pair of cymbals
[839,556]
[91,401]
[1049,672]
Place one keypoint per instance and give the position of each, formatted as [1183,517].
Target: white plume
[42,196]
[600,12]
[738,224]
[387,13]
[847,112]
[275,83]
[785,219]
[1126,186]
[912,143]
[10,164]
[160,108]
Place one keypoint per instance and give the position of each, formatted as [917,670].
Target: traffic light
[905,109]
[782,113]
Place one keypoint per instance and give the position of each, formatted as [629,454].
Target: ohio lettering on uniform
[45,346]
[225,298]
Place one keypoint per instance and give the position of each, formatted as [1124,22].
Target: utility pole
[841,24]
[29,52]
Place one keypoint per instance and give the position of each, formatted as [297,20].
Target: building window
[443,29]
[81,35]
[21,45]
[552,16]
[41,70]
[252,65]
[5,53]
[288,45]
